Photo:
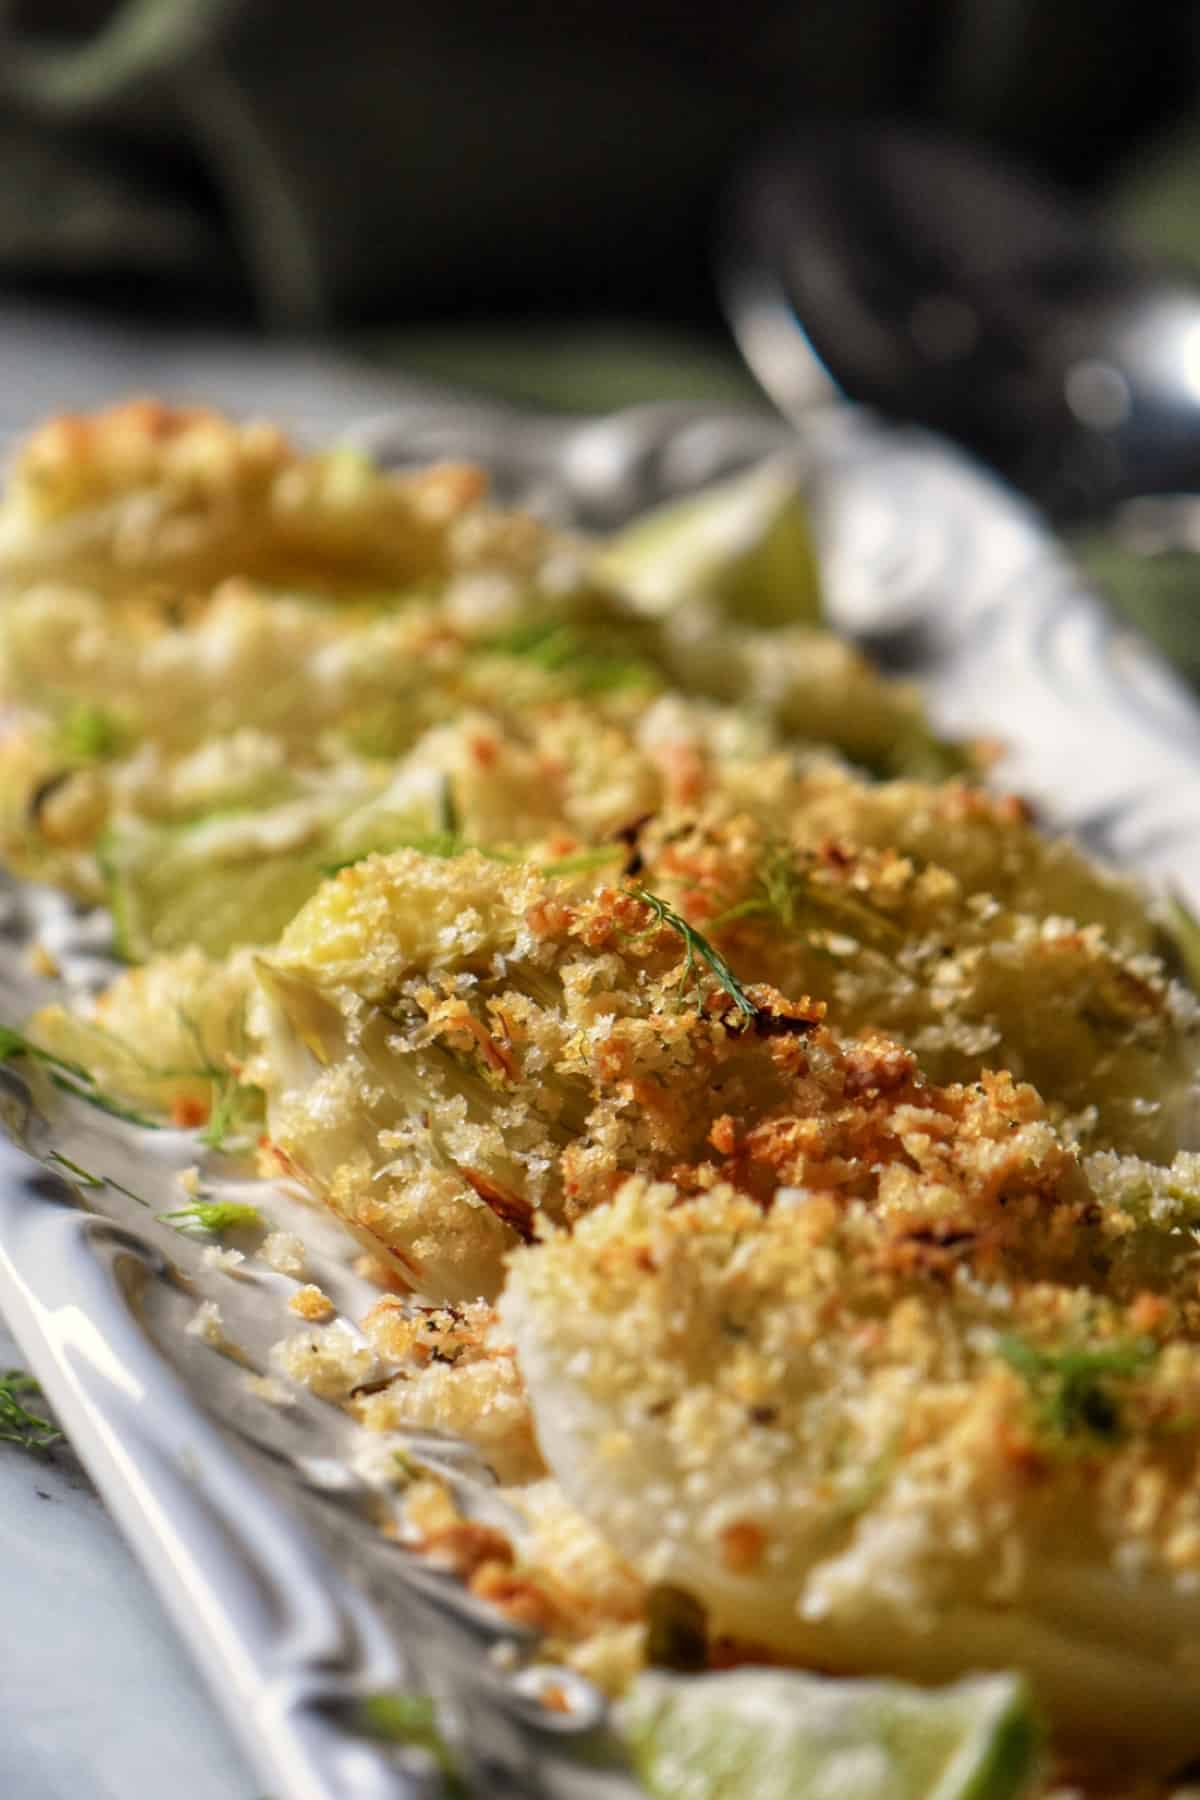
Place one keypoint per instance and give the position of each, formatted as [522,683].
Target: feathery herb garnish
[214,1215]
[698,949]
[85,1178]
[14,1043]
[18,1425]
[785,892]
[105,1103]
[231,1107]
[1072,1387]
[76,1171]
[233,1111]
[72,1078]
[581,861]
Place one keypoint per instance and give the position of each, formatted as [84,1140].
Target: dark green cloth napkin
[398,159]
[335,159]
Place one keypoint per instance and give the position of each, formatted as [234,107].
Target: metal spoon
[920,276]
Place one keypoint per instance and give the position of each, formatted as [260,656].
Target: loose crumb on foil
[224,1262]
[328,1362]
[206,1323]
[285,1252]
[310,1303]
[266,1387]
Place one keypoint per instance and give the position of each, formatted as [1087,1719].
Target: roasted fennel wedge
[511,1036]
[455,1049]
[896,1430]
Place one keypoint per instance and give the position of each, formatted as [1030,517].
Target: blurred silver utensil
[922,277]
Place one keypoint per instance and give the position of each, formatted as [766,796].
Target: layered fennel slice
[169,1039]
[871,1429]
[455,1049]
[503,776]
[800,876]
[866,897]
[492,777]
[458,1047]
[131,715]
[134,713]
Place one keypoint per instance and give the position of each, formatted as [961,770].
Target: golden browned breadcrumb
[311,1303]
[456,1051]
[451,1370]
[331,1362]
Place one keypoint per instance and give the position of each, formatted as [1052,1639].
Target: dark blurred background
[392,173]
[304,162]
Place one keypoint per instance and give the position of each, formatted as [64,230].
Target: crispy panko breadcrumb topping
[1047,973]
[200,616]
[451,1049]
[554,1574]
[285,1252]
[312,1303]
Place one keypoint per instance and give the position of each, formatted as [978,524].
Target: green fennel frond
[88,734]
[18,1424]
[1183,933]
[1072,1388]
[784,891]
[70,1077]
[589,665]
[87,1178]
[697,949]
